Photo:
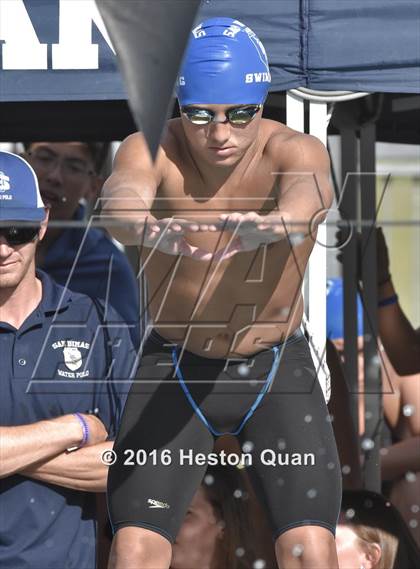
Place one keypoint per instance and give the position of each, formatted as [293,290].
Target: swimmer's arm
[129,193]
[305,192]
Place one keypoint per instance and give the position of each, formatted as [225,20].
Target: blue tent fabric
[373,45]
[349,45]
[278,24]
[354,45]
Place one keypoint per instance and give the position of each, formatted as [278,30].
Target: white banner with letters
[56,50]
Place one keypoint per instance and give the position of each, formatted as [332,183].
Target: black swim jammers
[271,401]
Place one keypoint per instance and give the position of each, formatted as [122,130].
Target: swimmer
[225,219]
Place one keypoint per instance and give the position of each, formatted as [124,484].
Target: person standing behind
[60,402]
[216,531]
[85,261]
[399,337]
[400,456]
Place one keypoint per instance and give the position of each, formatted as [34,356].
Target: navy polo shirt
[53,365]
[87,261]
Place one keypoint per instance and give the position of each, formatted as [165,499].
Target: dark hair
[225,489]
[99,152]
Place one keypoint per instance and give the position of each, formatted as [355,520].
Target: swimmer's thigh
[293,425]
[148,486]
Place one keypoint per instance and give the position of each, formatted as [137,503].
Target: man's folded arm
[82,470]
[25,445]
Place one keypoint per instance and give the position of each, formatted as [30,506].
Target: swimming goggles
[236,116]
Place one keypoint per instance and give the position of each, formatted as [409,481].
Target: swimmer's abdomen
[252,295]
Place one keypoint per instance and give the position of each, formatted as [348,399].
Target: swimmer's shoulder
[289,148]
[173,145]
[134,153]
[173,140]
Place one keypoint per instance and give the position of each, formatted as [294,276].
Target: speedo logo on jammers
[157,504]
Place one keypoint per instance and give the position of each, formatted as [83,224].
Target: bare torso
[238,306]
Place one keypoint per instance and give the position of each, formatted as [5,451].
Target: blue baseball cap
[335,310]
[225,63]
[20,199]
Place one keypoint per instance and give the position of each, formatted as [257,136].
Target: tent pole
[317,266]
[314,319]
[372,370]
[348,210]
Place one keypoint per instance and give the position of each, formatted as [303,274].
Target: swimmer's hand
[251,230]
[168,236]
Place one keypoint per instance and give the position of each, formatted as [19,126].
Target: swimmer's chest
[183,192]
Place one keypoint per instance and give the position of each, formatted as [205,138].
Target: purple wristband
[387,301]
[85,428]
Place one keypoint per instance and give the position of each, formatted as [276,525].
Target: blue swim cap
[335,310]
[225,63]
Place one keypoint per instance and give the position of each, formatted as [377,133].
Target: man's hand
[168,235]
[251,230]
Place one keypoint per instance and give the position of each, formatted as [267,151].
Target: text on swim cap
[232,31]
[257,78]
[198,32]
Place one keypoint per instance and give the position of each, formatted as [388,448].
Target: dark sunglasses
[15,235]
[235,116]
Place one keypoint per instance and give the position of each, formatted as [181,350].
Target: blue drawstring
[197,409]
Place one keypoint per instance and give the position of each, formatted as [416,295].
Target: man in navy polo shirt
[85,261]
[62,383]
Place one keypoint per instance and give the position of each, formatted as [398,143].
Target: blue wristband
[388,301]
[85,428]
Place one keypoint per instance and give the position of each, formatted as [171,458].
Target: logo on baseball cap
[20,199]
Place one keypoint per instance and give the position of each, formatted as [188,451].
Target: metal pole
[372,370]
[348,210]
